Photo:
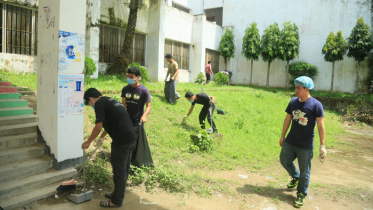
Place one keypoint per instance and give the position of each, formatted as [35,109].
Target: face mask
[191,101]
[131,81]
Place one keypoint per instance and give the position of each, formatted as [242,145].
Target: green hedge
[302,68]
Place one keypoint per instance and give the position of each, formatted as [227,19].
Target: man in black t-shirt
[114,118]
[208,103]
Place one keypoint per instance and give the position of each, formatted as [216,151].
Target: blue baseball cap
[304,81]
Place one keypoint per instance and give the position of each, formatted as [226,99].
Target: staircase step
[17,141]
[7,103]
[5,84]
[19,119]
[20,154]
[8,89]
[18,129]
[6,112]
[25,168]
[28,197]
[35,182]
[10,95]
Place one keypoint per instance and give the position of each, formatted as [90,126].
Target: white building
[191,31]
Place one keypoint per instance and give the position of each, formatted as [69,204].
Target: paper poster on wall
[70,94]
[71,52]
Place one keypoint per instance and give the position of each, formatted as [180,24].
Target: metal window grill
[179,52]
[213,56]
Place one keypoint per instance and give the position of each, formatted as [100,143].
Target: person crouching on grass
[303,112]
[208,103]
[114,118]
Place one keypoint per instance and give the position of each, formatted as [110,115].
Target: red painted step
[7,89]
[5,84]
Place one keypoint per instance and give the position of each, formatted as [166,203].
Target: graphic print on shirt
[298,115]
[136,96]
[128,95]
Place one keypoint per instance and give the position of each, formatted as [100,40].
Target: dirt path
[343,181]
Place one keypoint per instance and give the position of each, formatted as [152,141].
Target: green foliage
[270,43]
[144,73]
[203,142]
[289,42]
[334,48]
[302,68]
[359,43]
[226,45]
[137,175]
[200,78]
[89,66]
[251,42]
[97,171]
[221,79]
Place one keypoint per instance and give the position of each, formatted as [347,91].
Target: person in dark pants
[229,74]
[208,103]
[134,97]
[114,118]
[208,71]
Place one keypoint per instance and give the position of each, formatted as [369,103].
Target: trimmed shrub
[221,79]
[89,66]
[200,78]
[302,68]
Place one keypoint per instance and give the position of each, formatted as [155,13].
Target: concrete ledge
[18,129]
[6,112]
[20,154]
[10,95]
[7,103]
[19,119]
[16,141]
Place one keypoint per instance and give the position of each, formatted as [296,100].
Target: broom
[218,110]
[71,185]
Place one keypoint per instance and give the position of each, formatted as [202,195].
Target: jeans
[208,78]
[288,155]
[176,93]
[207,110]
[120,161]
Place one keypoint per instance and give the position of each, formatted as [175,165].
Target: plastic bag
[169,92]
[141,155]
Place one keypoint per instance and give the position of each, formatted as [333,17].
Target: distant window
[179,7]
[213,56]
[179,52]
[111,43]
[18,26]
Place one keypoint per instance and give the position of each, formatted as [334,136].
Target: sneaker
[299,201]
[293,183]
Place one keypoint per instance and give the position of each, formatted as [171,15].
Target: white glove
[99,142]
[185,117]
[322,152]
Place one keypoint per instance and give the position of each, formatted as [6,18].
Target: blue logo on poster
[66,34]
[78,85]
[70,52]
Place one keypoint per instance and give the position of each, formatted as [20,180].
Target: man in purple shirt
[135,96]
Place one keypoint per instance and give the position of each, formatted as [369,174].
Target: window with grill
[179,52]
[111,42]
[213,56]
[19,27]
[1,27]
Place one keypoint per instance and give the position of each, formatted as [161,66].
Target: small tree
[270,45]
[226,46]
[289,45]
[359,43]
[334,50]
[251,45]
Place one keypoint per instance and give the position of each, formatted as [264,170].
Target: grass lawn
[251,131]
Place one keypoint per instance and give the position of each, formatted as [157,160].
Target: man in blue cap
[303,112]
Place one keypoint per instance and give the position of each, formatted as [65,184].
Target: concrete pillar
[60,61]
[92,47]
[198,54]
[155,41]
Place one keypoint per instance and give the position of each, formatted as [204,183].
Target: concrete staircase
[26,172]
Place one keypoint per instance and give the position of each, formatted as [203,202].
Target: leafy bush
[200,78]
[144,73]
[202,142]
[97,171]
[221,79]
[302,68]
[89,66]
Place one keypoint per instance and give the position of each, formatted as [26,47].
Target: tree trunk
[269,66]
[251,74]
[225,62]
[331,88]
[357,78]
[287,74]
[122,61]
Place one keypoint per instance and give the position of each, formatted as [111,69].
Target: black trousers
[208,78]
[120,161]
[207,110]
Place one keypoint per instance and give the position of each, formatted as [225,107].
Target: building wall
[211,4]
[18,63]
[315,19]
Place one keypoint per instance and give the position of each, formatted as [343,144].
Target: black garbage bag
[169,92]
[141,156]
